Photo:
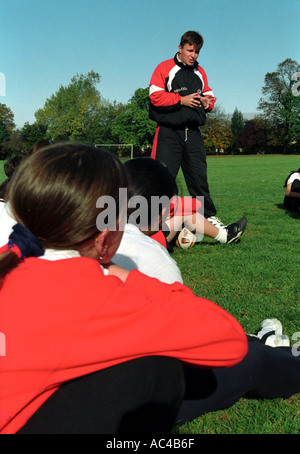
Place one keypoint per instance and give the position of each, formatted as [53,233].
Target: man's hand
[195,100]
[206,101]
[192,101]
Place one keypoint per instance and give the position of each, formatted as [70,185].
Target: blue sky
[44,43]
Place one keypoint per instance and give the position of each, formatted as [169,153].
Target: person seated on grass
[147,251]
[151,179]
[139,251]
[292,193]
[102,353]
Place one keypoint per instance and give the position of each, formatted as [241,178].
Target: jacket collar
[183,65]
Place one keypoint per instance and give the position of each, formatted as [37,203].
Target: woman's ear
[101,244]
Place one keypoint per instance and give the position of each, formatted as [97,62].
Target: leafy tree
[216,133]
[290,112]
[14,145]
[3,132]
[141,99]
[7,117]
[133,124]
[279,104]
[32,134]
[99,129]
[237,123]
[253,138]
[7,129]
[68,112]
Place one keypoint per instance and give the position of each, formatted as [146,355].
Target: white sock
[222,236]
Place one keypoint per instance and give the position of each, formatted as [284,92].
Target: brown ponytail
[8,261]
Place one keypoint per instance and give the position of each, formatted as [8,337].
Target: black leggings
[266,372]
[150,395]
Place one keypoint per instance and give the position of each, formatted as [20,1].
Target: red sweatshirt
[65,319]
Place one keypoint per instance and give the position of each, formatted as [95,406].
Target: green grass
[253,280]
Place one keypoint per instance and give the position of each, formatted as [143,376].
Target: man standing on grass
[180,97]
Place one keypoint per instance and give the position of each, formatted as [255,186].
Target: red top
[65,319]
[185,206]
[160,238]
[167,84]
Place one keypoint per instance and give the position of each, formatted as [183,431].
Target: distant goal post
[117,146]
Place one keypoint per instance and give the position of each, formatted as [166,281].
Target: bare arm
[290,193]
[115,270]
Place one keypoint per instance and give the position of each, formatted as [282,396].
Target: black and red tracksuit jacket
[170,81]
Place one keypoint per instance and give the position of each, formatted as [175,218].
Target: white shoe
[277,340]
[270,333]
[268,325]
[216,221]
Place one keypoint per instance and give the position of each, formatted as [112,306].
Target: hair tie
[15,249]
[23,243]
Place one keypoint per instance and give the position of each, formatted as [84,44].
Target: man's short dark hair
[192,38]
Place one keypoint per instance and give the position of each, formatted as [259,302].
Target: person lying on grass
[150,179]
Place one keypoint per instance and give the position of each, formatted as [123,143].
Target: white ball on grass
[185,239]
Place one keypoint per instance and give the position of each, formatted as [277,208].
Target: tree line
[78,112]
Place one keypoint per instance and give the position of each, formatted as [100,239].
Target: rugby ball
[185,239]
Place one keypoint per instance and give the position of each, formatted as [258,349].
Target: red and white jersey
[172,80]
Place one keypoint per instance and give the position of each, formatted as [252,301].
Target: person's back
[139,251]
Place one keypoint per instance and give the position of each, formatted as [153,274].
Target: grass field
[253,280]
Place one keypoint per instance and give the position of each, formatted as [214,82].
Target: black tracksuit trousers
[185,148]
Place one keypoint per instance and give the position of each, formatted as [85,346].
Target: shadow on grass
[292,214]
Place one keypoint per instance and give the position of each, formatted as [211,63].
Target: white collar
[53,254]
